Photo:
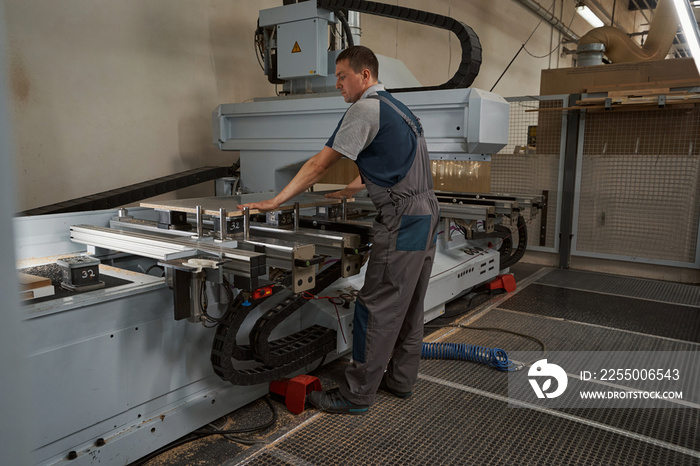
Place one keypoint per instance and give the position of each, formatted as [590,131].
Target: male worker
[386,141]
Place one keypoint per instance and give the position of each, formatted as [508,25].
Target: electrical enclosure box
[301,38]
[302,49]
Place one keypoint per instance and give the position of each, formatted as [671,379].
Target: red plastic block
[294,390]
[505,282]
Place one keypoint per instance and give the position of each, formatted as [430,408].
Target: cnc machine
[168,316]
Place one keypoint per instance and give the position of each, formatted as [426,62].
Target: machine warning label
[296,48]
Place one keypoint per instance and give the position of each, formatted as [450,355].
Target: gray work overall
[388,321]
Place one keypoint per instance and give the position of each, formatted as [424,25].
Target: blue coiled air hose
[494,357]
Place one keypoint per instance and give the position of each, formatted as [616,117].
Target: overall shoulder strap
[416,130]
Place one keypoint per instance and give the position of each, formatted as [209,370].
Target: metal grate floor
[459,413]
[618,312]
[449,423]
[674,426]
[674,293]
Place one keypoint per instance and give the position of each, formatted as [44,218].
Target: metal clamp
[662,101]
[317,260]
[357,251]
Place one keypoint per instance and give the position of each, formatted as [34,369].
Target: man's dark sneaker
[385,387]
[332,401]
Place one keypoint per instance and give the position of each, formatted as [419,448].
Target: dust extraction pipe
[620,48]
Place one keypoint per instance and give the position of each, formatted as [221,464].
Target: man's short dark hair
[359,58]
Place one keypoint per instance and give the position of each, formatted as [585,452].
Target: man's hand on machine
[264,206]
[349,191]
[339,194]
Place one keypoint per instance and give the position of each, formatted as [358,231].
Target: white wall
[106,94]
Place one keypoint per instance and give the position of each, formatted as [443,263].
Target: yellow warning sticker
[296,48]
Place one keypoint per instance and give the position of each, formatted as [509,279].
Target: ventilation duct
[620,48]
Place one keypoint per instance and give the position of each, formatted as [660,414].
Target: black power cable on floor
[494,329]
[201,433]
[227,433]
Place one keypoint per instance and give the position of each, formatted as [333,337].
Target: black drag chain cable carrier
[275,358]
[471,47]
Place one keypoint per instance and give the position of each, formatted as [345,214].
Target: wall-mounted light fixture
[587,14]
[690,28]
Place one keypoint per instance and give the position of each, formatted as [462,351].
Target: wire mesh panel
[639,184]
[529,164]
